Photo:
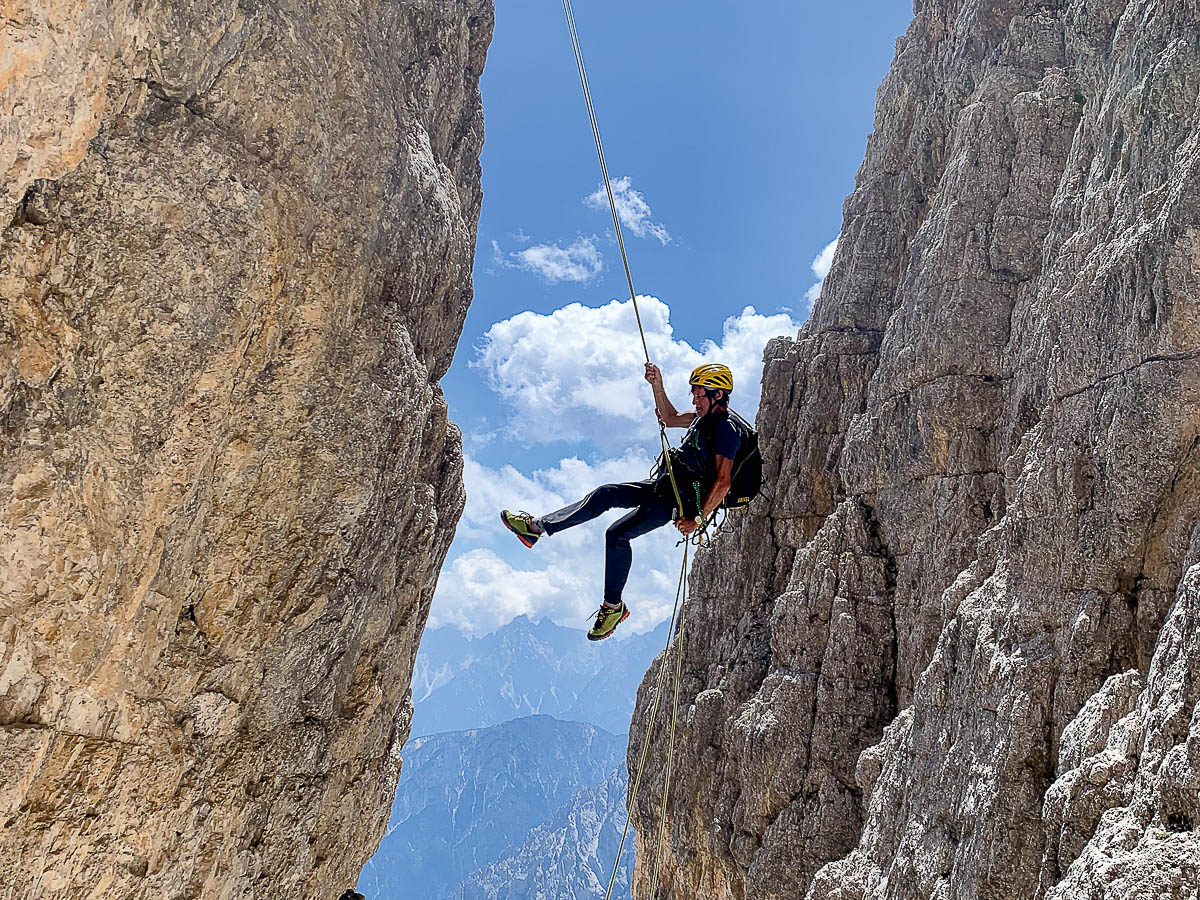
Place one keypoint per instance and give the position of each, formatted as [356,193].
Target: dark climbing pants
[650,510]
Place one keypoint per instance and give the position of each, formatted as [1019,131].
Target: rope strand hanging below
[676,611]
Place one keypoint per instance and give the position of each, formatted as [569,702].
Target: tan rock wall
[55,63]
[983,449]
[228,479]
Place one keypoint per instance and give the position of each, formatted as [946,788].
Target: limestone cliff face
[235,261]
[956,655]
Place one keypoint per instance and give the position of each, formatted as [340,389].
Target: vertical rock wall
[235,261]
[955,655]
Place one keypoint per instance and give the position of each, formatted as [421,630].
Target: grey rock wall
[234,262]
[954,655]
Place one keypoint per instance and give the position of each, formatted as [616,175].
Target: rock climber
[703,467]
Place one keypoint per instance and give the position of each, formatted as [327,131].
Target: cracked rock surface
[234,263]
[955,654]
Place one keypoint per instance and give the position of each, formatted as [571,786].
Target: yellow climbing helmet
[713,376]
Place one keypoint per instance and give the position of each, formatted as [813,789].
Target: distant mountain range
[531,803]
[569,856]
[528,668]
[499,797]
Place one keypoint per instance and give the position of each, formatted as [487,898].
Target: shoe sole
[610,631]
[524,540]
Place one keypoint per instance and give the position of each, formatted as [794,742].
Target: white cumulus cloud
[821,265]
[632,209]
[576,373]
[579,261]
[561,577]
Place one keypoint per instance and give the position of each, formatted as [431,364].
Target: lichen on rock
[235,262]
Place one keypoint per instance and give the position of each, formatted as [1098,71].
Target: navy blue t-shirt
[709,437]
[726,439]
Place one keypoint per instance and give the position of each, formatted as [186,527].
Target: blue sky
[733,132]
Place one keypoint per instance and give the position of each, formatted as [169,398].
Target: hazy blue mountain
[569,856]
[467,797]
[528,668]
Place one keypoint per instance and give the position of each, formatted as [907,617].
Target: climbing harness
[680,591]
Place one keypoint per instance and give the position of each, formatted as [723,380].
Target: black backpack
[747,479]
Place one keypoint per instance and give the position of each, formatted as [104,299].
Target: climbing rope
[662,816]
[676,611]
[612,205]
[680,590]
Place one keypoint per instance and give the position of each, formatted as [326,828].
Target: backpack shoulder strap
[742,425]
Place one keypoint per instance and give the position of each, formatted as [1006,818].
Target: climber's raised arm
[663,407]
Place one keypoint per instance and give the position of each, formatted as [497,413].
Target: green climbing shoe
[520,524]
[607,620]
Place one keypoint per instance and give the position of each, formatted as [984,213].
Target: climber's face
[700,400]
